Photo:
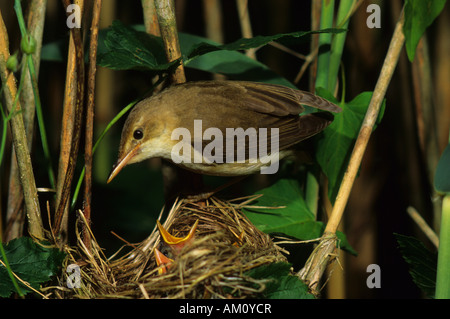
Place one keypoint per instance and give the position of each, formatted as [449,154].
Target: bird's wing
[265,98]
[274,134]
[246,100]
[281,100]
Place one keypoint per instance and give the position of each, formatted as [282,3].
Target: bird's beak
[122,162]
[162,261]
[176,243]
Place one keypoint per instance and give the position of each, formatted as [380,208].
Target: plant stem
[15,195]
[33,78]
[338,42]
[212,13]
[72,118]
[35,27]
[379,93]
[40,118]
[172,175]
[312,190]
[316,8]
[325,251]
[165,10]
[427,125]
[326,21]
[20,140]
[150,17]
[90,119]
[213,20]
[422,224]
[246,26]
[323,64]
[443,274]
[6,118]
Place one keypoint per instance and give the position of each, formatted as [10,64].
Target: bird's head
[141,136]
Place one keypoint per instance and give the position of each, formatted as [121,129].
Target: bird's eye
[138,134]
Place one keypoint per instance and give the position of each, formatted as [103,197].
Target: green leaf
[255,42]
[421,261]
[419,14]
[442,174]
[344,244]
[294,220]
[335,144]
[128,49]
[32,262]
[234,65]
[280,283]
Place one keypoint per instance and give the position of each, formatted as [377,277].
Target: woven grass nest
[213,265]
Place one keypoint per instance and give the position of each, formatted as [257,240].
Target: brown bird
[223,128]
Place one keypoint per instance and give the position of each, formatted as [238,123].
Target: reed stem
[20,140]
[88,151]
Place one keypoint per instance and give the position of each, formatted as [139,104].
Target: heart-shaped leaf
[30,261]
[335,144]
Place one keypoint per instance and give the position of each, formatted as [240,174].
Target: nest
[213,265]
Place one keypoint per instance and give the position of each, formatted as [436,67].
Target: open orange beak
[121,163]
[176,243]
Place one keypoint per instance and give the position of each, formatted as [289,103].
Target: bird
[221,127]
[162,261]
[173,245]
